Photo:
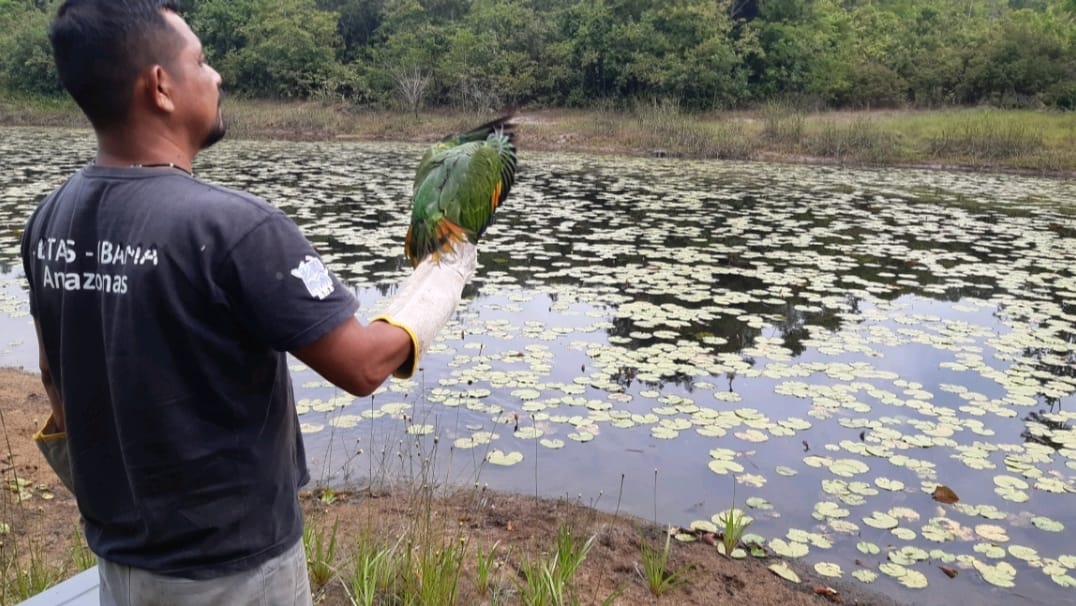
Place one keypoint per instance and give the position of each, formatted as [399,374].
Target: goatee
[220,128]
[215,135]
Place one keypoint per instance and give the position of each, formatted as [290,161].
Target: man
[164,308]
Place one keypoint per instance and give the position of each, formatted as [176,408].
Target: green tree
[1026,54]
[289,51]
[933,43]
[26,64]
[413,44]
[586,30]
[358,24]
[221,25]
[807,50]
[496,55]
[699,53]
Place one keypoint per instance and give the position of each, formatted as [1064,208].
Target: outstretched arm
[359,358]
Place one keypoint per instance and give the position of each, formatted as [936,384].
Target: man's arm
[51,439]
[358,358]
[58,425]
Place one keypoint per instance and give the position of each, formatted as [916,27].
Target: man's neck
[123,149]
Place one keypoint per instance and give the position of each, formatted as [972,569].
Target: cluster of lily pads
[839,343]
[683,331]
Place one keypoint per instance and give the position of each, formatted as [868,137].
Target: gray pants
[281,581]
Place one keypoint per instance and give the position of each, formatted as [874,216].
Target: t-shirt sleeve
[282,292]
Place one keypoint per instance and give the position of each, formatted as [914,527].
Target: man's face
[198,95]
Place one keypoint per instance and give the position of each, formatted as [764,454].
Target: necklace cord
[164,165]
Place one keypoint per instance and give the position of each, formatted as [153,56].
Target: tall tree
[26,65]
[289,50]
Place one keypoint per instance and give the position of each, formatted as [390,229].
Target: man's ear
[158,88]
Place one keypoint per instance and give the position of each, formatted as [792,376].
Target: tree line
[701,54]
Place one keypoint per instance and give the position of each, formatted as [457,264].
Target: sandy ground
[517,529]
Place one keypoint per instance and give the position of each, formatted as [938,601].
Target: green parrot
[460,182]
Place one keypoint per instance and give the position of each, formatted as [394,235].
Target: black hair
[100,46]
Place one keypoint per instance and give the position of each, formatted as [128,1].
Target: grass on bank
[417,555]
[420,557]
[660,577]
[28,564]
[978,138]
[433,561]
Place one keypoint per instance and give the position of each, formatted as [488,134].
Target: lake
[821,347]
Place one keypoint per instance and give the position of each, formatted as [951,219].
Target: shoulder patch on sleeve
[315,277]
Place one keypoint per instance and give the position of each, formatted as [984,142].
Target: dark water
[636,324]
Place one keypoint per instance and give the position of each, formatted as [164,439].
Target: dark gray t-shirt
[165,305]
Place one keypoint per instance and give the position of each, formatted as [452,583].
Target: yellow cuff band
[42,434]
[407,370]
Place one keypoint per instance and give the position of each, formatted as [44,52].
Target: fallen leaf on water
[827,592]
[949,572]
[944,494]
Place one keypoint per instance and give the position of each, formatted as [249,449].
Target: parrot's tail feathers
[502,124]
[447,232]
[441,238]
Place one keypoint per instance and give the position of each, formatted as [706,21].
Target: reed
[659,577]
[986,139]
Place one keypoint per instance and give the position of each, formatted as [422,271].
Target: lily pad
[664,433]
[913,579]
[1024,553]
[992,532]
[1063,580]
[498,457]
[723,467]
[703,526]
[868,548]
[758,503]
[1045,523]
[1001,574]
[828,569]
[881,521]
[783,570]
[788,549]
[864,575]
[423,429]
[848,467]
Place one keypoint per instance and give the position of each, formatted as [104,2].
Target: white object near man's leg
[281,581]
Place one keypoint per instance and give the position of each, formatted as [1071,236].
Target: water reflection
[632,317]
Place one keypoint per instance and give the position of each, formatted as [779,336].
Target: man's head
[115,56]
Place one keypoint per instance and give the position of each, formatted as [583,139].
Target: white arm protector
[427,299]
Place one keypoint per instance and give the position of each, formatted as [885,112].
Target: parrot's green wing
[459,183]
